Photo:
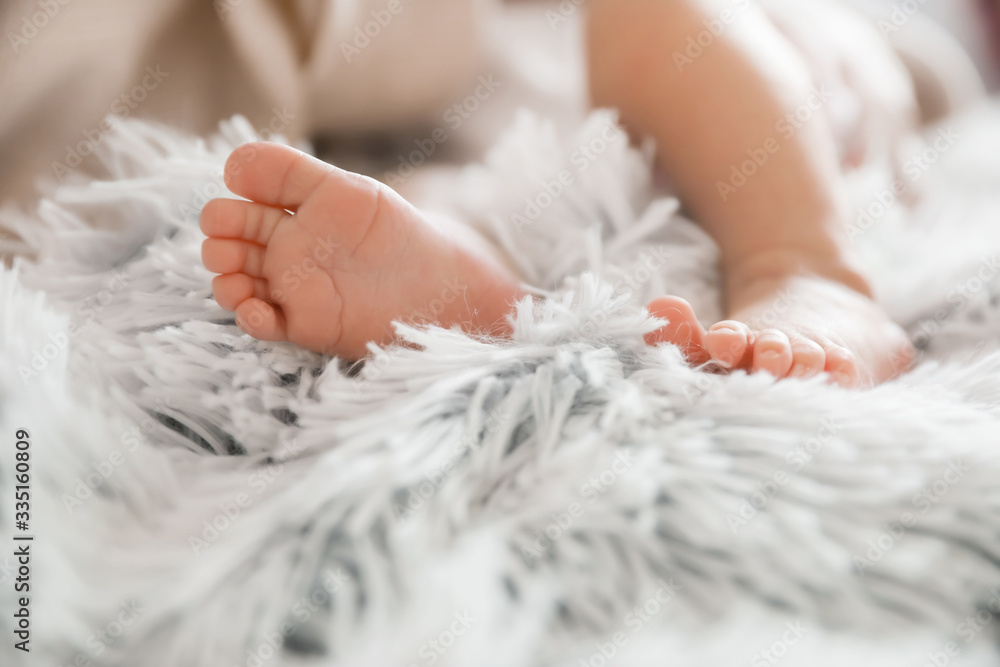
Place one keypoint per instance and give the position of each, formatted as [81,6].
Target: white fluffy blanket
[569,497]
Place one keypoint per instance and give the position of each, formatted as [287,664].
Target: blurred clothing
[292,66]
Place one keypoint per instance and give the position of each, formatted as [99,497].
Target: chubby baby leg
[796,298]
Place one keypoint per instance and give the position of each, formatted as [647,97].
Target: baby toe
[772,353]
[808,358]
[275,174]
[682,329]
[232,256]
[233,289]
[237,219]
[260,319]
[728,343]
[842,366]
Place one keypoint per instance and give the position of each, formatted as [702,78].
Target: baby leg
[797,301]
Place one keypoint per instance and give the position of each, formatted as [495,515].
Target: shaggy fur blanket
[568,497]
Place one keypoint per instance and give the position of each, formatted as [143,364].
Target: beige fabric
[297,66]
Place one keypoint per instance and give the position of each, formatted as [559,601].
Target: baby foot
[797,327]
[328,259]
